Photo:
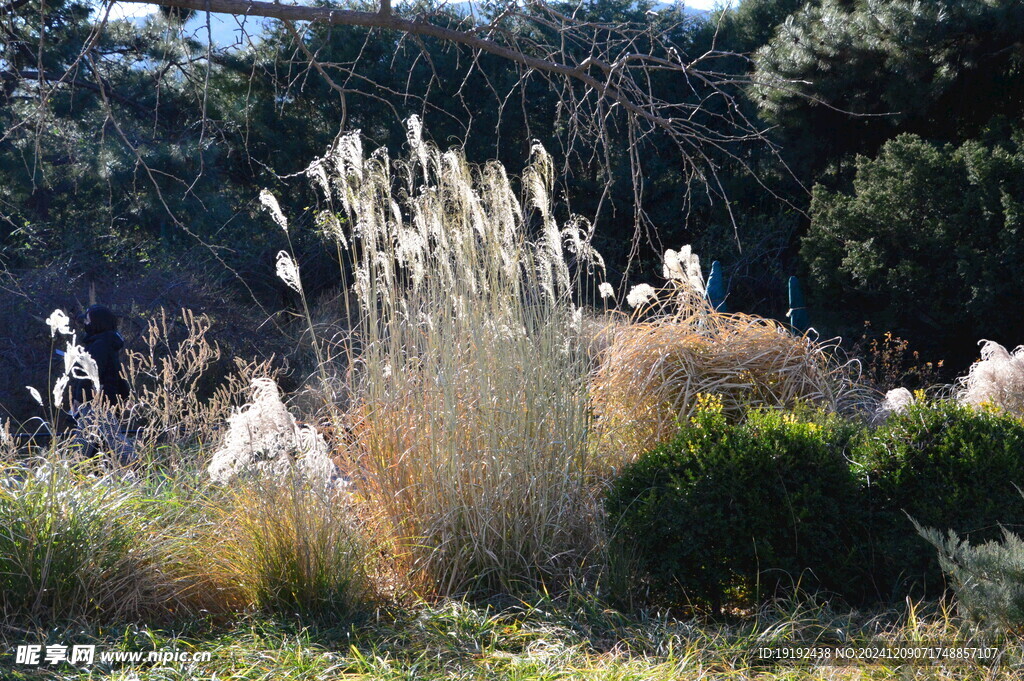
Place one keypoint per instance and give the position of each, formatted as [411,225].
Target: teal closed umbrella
[798,317]
[716,288]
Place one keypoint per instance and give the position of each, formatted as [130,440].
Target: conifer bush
[737,512]
[987,578]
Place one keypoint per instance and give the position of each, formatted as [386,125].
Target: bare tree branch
[616,80]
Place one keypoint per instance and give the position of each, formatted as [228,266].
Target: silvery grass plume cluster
[996,380]
[469,386]
[264,437]
[679,347]
[78,364]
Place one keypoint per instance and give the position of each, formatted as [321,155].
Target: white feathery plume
[317,171]
[683,267]
[264,438]
[896,401]
[414,136]
[691,264]
[269,201]
[640,294]
[288,271]
[79,364]
[58,323]
[671,268]
[58,391]
[996,379]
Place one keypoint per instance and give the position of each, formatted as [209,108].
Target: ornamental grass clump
[997,380]
[469,398]
[283,544]
[263,437]
[79,547]
[651,373]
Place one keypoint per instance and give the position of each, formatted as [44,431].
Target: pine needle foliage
[987,578]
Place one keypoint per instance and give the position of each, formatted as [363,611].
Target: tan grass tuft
[281,544]
[652,372]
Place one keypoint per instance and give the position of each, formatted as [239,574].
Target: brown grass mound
[650,375]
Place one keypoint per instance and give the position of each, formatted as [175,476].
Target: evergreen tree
[927,245]
[845,75]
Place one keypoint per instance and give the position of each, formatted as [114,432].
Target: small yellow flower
[708,403]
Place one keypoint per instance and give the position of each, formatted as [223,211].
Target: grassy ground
[543,641]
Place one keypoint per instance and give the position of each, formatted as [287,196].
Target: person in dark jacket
[104,345]
[101,427]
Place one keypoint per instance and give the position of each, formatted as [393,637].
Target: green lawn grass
[543,641]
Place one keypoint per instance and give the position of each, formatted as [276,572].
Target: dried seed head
[58,391]
[58,323]
[288,271]
[79,364]
[640,294]
[269,201]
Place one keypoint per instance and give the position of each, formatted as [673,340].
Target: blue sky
[706,4]
[122,10]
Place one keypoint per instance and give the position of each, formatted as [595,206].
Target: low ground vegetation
[741,512]
[493,450]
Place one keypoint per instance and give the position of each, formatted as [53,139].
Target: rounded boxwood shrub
[948,467]
[734,512]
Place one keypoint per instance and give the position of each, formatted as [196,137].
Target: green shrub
[738,511]
[945,466]
[988,579]
[730,511]
[871,253]
[78,547]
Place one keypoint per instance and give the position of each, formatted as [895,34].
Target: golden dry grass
[285,545]
[650,374]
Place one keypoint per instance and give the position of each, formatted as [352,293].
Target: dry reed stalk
[469,395]
[170,375]
[652,372]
